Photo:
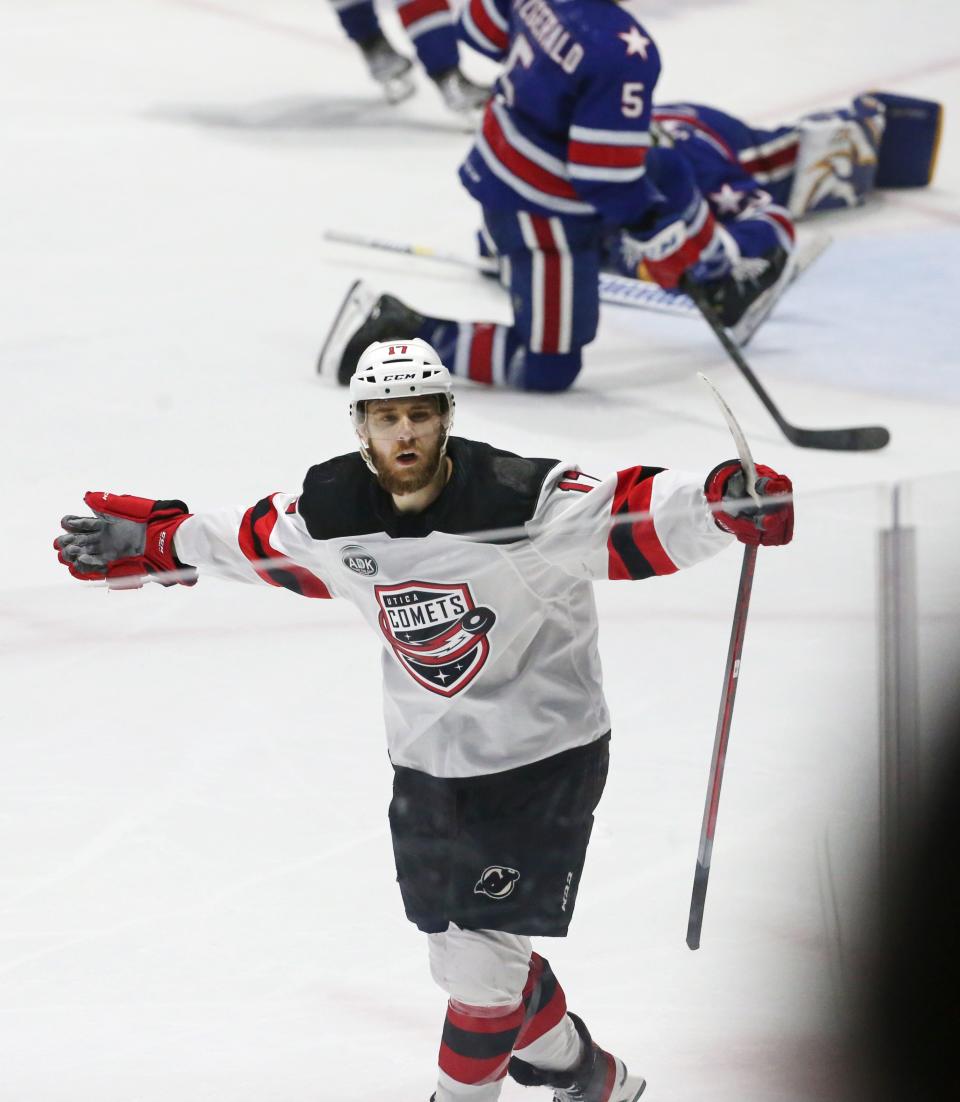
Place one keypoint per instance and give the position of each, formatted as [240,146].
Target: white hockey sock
[556,1050]
[450,1090]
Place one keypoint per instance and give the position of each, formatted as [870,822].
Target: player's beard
[408,480]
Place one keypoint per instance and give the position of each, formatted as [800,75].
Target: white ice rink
[196,886]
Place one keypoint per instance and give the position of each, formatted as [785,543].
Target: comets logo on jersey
[437,632]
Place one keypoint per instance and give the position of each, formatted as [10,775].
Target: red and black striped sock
[476,1047]
[544,1002]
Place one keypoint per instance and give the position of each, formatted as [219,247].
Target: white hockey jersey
[483,603]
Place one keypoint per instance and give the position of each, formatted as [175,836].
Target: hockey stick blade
[864,438]
[697,903]
[739,438]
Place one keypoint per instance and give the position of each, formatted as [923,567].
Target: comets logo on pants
[437,632]
[496,882]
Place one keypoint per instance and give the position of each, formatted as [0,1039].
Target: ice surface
[196,885]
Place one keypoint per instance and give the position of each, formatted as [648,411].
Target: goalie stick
[615,290]
[731,676]
[862,439]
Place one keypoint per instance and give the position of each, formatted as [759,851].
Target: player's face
[404,438]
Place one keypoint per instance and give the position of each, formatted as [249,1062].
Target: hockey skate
[392,71]
[363,317]
[743,299]
[460,94]
[598,1077]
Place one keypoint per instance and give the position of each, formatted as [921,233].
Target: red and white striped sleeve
[268,542]
[421,16]
[484,26]
[578,527]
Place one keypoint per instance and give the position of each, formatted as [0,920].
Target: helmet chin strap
[365,454]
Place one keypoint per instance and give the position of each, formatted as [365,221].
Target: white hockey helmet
[395,369]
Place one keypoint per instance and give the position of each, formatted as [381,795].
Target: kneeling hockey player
[496,722]
[574,170]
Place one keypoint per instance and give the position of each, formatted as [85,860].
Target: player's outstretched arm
[131,539]
[648,521]
[126,539]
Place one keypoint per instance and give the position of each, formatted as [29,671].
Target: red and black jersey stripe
[476,1047]
[254,539]
[634,549]
[544,1002]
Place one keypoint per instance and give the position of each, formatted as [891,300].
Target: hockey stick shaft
[616,290]
[863,438]
[721,740]
[474,264]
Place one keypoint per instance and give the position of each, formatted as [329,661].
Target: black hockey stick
[866,438]
[702,872]
[731,676]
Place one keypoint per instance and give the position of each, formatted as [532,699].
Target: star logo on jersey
[636,43]
[437,631]
[727,200]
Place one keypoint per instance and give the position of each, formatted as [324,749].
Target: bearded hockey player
[496,722]
[432,27]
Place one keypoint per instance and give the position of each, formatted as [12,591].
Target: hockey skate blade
[631,1090]
[353,312]
[399,88]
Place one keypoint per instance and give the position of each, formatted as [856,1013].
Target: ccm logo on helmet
[398,378]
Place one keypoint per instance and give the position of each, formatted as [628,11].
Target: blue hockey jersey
[726,150]
[745,174]
[567,130]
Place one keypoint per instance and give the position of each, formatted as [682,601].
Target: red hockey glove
[770,525]
[126,538]
[672,247]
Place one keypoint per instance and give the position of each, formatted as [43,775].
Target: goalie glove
[769,525]
[126,539]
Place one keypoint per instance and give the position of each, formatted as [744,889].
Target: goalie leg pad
[911,140]
[836,162]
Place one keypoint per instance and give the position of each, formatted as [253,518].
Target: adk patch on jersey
[359,560]
[437,632]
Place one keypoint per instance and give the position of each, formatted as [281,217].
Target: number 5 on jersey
[631,99]
[521,52]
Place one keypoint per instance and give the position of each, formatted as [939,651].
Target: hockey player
[828,160]
[496,723]
[432,27]
[565,158]
[574,172]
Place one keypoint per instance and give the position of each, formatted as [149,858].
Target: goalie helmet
[391,370]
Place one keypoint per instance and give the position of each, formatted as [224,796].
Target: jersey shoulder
[489,489]
[496,488]
[617,43]
[337,499]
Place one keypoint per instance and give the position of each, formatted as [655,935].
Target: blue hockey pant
[550,266]
[429,23]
